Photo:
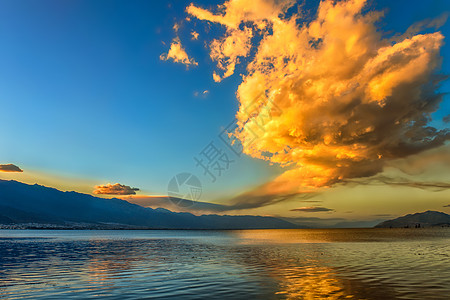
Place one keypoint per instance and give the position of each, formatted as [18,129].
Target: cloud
[434,23]
[419,163]
[399,181]
[448,205]
[265,195]
[178,54]
[176,27]
[242,202]
[216,77]
[203,94]
[114,189]
[312,209]
[10,168]
[194,35]
[177,204]
[329,100]
[311,201]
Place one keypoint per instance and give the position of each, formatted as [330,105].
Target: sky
[340,108]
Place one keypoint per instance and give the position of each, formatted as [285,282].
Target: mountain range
[36,205]
[425,219]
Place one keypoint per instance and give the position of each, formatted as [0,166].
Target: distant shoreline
[19,227]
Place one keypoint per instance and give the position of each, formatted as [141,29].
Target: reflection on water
[262,264]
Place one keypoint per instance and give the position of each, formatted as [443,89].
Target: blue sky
[84,93]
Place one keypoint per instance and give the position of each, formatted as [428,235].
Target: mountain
[22,203]
[424,219]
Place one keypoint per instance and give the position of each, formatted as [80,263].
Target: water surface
[245,264]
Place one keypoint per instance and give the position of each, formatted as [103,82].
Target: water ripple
[262,264]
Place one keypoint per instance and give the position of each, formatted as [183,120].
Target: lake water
[247,264]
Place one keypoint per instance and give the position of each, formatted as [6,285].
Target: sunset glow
[225,149]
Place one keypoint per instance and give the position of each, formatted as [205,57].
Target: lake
[237,264]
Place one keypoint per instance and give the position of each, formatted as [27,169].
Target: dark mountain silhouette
[424,219]
[22,203]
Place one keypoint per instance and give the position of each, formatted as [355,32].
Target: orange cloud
[178,54]
[176,27]
[114,189]
[330,100]
[236,43]
[194,35]
[10,168]
[203,94]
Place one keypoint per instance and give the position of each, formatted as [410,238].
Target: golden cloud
[329,99]
[10,168]
[178,54]
[194,35]
[114,189]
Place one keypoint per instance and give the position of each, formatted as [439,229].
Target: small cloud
[448,205]
[194,35]
[176,27]
[434,24]
[258,197]
[178,54]
[10,168]
[399,181]
[114,189]
[203,94]
[312,209]
[216,77]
